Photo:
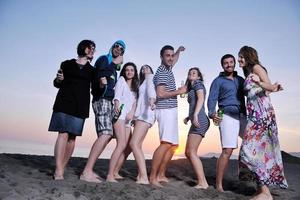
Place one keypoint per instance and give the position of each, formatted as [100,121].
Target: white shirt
[125,96]
[146,91]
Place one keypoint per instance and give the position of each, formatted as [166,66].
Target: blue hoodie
[106,68]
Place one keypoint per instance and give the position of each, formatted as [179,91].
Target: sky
[36,36]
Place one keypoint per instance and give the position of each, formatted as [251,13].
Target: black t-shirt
[73,96]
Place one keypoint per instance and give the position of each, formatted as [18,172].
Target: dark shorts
[204,125]
[103,116]
[64,123]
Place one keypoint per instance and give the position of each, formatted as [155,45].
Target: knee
[188,153]
[133,145]
[173,148]
[227,153]
[63,136]
[121,146]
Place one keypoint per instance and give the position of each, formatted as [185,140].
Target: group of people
[139,99]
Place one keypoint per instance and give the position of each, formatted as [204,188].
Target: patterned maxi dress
[260,151]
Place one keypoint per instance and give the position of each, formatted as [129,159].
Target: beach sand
[30,177]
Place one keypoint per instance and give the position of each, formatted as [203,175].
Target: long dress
[260,151]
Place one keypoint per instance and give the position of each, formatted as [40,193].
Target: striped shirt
[165,76]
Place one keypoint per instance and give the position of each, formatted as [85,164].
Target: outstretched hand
[181,48]
[277,87]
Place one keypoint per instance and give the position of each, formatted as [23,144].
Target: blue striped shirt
[164,76]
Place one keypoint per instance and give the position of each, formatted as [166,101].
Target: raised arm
[176,54]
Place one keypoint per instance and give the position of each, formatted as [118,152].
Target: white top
[125,96]
[146,91]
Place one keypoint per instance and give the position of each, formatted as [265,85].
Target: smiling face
[117,50]
[228,65]
[90,52]
[193,75]
[241,60]
[129,72]
[167,57]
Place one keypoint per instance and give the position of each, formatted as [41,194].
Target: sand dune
[30,177]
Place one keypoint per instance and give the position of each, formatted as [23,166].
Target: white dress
[143,110]
[125,96]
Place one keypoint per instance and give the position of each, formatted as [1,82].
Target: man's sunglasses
[119,46]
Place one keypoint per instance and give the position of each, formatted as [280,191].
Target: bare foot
[96,175]
[90,178]
[201,186]
[220,189]
[142,181]
[262,196]
[156,183]
[118,176]
[111,179]
[163,179]
[58,177]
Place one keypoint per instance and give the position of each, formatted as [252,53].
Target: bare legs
[192,145]
[97,148]
[161,157]
[122,140]
[139,133]
[222,164]
[161,177]
[124,155]
[63,150]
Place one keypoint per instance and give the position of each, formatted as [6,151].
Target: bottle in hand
[220,114]
[117,115]
[182,95]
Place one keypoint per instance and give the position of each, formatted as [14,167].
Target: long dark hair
[187,82]
[251,58]
[135,79]
[142,75]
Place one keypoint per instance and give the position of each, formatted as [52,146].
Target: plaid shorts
[103,116]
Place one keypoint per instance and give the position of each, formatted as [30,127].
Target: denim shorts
[64,123]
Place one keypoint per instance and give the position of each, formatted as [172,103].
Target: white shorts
[168,125]
[148,117]
[230,129]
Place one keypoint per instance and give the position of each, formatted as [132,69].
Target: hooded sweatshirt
[106,68]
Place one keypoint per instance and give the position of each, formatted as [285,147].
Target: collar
[167,68]
[223,74]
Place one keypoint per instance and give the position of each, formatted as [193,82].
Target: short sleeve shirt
[164,76]
[192,97]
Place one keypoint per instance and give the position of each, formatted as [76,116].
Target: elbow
[160,94]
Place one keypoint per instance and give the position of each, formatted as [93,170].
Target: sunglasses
[119,46]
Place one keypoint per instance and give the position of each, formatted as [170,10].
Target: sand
[30,177]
